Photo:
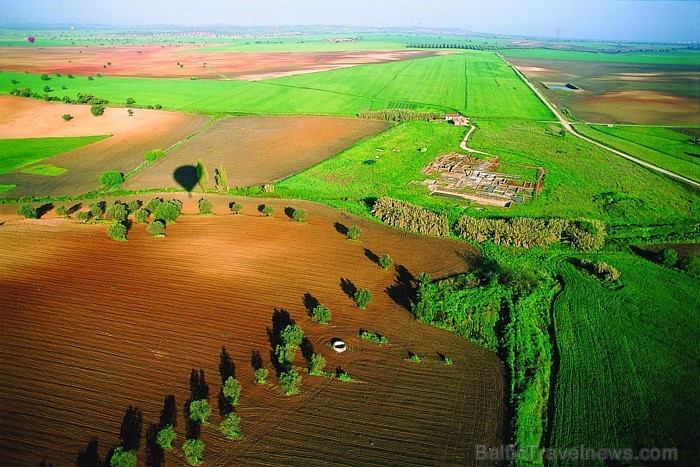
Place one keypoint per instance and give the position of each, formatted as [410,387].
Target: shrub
[354,232]
[231,390]
[165,437]
[157,106]
[602,270]
[268,188]
[67,117]
[47,89]
[156,229]
[153,154]
[96,209]
[117,231]
[97,110]
[236,208]
[317,365]
[230,426]
[344,377]
[261,375]
[268,210]
[153,204]
[414,358]
[668,257]
[194,449]
[373,336]
[221,179]
[292,336]
[111,179]
[691,265]
[45,77]
[385,262]
[83,216]
[14,81]
[28,211]
[61,210]
[130,101]
[130,112]
[167,211]
[200,411]
[321,314]
[122,458]
[205,206]
[70,75]
[284,355]
[133,205]
[299,215]
[362,298]
[202,175]
[410,217]
[116,211]
[142,216]
[447,361]
[290,380]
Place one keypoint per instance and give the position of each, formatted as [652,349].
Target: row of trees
[410,217]
[531,232]
[220,177]
[400,115]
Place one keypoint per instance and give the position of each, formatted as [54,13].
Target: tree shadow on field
[280,320]
[372,256]
[340,228]
[369,202]
[310,302]
[403,290]
[73,209]
[348,287]
[199,389]
[186,176]
[90,456]
[130,432]
[44,464]
[155,456]
[307,349]
[226,366]
[256,360]
[168,416]
[43,209]
[192,429]
[289,212]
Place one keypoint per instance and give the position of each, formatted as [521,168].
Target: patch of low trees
[408,216]
[400,115]
[153,155]
[601,270]
[122,458]
[530,232]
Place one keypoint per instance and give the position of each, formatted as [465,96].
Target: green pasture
[18,153]
[628,370]
[44,169]
[673,57]
[663,147]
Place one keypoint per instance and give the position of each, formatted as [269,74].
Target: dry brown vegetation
[92,326]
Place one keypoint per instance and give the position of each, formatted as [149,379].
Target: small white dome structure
[338,345]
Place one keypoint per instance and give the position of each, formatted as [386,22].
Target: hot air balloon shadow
[186,177]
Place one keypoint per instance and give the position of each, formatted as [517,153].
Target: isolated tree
[194,449]
[385,261]
[231,390]
[165,437]
[117,231]
[261,375]
[202,175]
[362,298]
[268,210]
[321,314]
[47,89]
[111,179]
[205,206]
[284,355]
[130,112]
[83,216]
[200,411]
[156,228]
[236,208]
[116,211]
[221,179]
[67,117]
[142,216]
[45,77]
[97,110]
[354,232]
[290,380]
[167,211]
[230,426]
[28,211]
[153,154]
[122,458]
[668,257]
[292,336]
[130,101]
[317,365]
[62,210]
[299,215]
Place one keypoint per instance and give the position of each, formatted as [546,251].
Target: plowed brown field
[91,326]
[156,61]
[257,150]
[131,137]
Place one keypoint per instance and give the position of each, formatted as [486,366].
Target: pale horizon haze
[628,20]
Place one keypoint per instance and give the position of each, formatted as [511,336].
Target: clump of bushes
[28,211]
[267,209]
[194,449]
[230,426]
[83,216]
[111,179]
[200,411]
[155,228]
[261,375]
[400,115]
[343,376]
[385,261]
[142,215]
[236,208]
[290,380]
[165,437]
[414,358]
[317,365]
[321,314]
[122,458]
[62,210]
[374,337]
[530,232]
[601,269]
[354,232]
[691,265]
[67,117]
[97,110]
[116,211]
[153,155]
[299,215]
[167,211]
[231,390]
[410,217]
[668,257]
[362,298]
[205,206]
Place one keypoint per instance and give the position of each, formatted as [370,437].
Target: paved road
[569,127]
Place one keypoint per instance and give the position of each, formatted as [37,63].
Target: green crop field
[628,372]
[45,169]
[18,153]
[663,147]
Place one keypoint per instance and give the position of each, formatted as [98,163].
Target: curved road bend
[568,126]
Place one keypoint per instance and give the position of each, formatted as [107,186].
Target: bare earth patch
[168,61]
[92,326]
[256,150]
[131,137]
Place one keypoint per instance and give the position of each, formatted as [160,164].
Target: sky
[640,20]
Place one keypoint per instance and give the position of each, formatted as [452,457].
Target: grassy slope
[676,57]
[629,370]
[17,153]
[663,147]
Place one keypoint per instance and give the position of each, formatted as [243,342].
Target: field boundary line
[569,127]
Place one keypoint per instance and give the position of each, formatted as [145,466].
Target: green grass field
[628,372]
[44,169]
[663,147]
[18,153]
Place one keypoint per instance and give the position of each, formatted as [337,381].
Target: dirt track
[91,326]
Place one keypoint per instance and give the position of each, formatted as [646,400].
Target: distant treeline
[410,217]
[400,115]
[455,46]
